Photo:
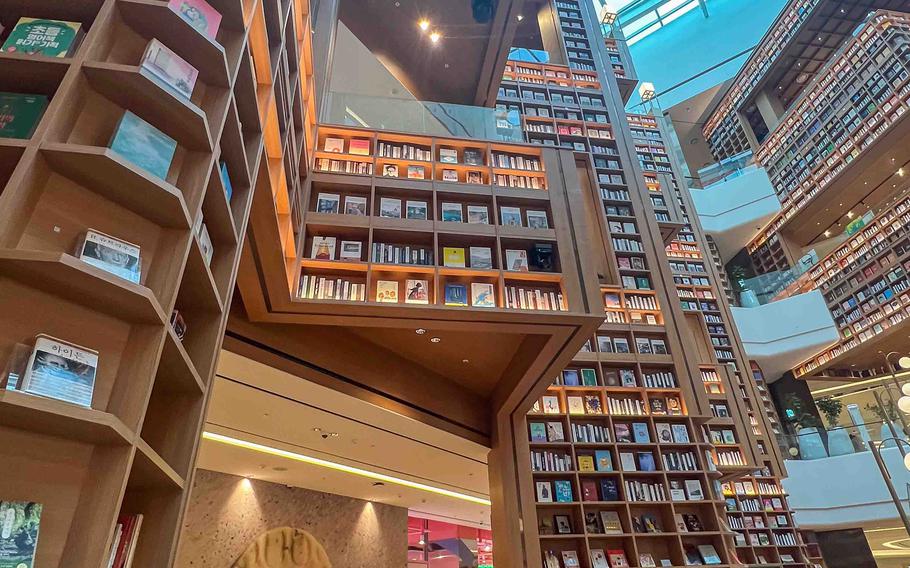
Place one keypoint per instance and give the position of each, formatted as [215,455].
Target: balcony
[737,200]
[780,335]
[843,139]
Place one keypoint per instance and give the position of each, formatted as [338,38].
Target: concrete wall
[227,513]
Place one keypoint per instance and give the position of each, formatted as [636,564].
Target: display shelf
[67,421]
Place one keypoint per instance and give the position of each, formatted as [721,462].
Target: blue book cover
[226,180]
[646,461]
[603,460]
[456,295]
[641,434]
[143,145]
[563,491]
[570,377]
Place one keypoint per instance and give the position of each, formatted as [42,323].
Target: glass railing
[773,286]
[422,117]
[732,167]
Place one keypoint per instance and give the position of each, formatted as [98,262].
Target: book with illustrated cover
[20,113]
[538,431]
[555,432]
[416,209]
[623,433]
[576,405]
[143,145]
[334,145]
[390,208]
[448,155]
[598,558]
[50,38]
[112,255]
[323,248]
[449,175]
[199,14]
[452,212]
[355,205]
[664,433]
[646,461]
[709,554]
[416,172]
[550,404]
[387,291]
[481,258]
[478,215]
[168,69]
[482,295]
[453,256]
[589,377]
[516,260]
[603,460]
[586,463]
[617,559]
[640,433]
[646,560]
[550,560]
[544,492]
[457,295]
[360,147]
[61,370]
[570,377]
[627,461]
[609,490]
[680,434]
[563,491]
[570,559]
[327,202]
[473,157]
[416,292]
[20,522]
[592,404]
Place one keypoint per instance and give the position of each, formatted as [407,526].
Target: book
[360,147]
[199,14]
[589,490]
[570,559]
[111,255]
[452,213]
[387,291]
[60,370]
[586,463]
[416,209]
[589,377]
[323,248]
[49,38]
[449,175]
[328,202]
[481,258]
[168,69]
[538,431]
[473,157]
[356,206]
[20,113]
[178,324]
[143,145]
[570,377]
[478,215]
[664,433]
[598,558]
[448,155]
[475,177]
[416,172]
[416,292]
[544,492]
[609,490]
[453,256]
[510,216]
[20,522]
[563,491]
[708,554]
[456,295]
[334,145]
[540,258]
[482,295]
[603,460]
[226,181]
[623,433]
[550,404]
[646,560]
[128,527]
[611,523]
[640,433]
[677,493]
[680,434]
[205,243]
[617,559]
[627,461]
[555,432]
[550,560]
[576,404]
[646,461]
[537,219]
[390,170]
[693,523]
[563,524]
[390,208]
[516,260]
[694,490]
[621,344]
[592,404]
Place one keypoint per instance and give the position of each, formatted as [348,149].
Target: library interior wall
[226,513]
[692,43]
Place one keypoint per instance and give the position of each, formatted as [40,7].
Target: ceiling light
[424,24]
[420,331]
[849,214]
[434,37]
[340,467]
[827,233]
[435,340]
[900,172]
[520,17]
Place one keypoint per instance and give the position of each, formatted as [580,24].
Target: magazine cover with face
[61,370]
[111,255]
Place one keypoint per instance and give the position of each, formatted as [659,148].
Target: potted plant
[889,417]
[747,297]
[839,442]
[806,424]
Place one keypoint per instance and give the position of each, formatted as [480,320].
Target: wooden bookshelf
[835,127]
[133,451]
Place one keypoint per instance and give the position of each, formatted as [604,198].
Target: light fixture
[849,214]
[435,340]
[520,17]
[904,363]
[420,331]
[827,233]
[904,404]
[646,91]
[434,37]
[424,25]
[607,14]
[900,172]
[245,444]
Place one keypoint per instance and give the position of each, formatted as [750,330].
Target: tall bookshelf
[756,508]
[859,97]
[133,451]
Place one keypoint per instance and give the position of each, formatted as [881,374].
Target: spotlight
[424,25]
[434,37]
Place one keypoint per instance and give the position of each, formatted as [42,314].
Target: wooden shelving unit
[860,96]
[134,450]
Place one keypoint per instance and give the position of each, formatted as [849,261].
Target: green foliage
[831,408]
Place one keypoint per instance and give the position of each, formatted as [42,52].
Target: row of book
[123,547]
[344,166]
[323,288]
[644,491]
[402,254]
[518,181]
[516,162]
[534,299]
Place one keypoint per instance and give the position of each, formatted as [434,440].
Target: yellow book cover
[453,256]
[585,463]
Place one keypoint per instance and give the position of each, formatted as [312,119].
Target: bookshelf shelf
[67,421]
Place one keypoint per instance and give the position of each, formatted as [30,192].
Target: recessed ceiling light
[435,340]
[465,361]
[420,331]
[849,214]
[827,233]
[434,37]
[520,17]
[424,24]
